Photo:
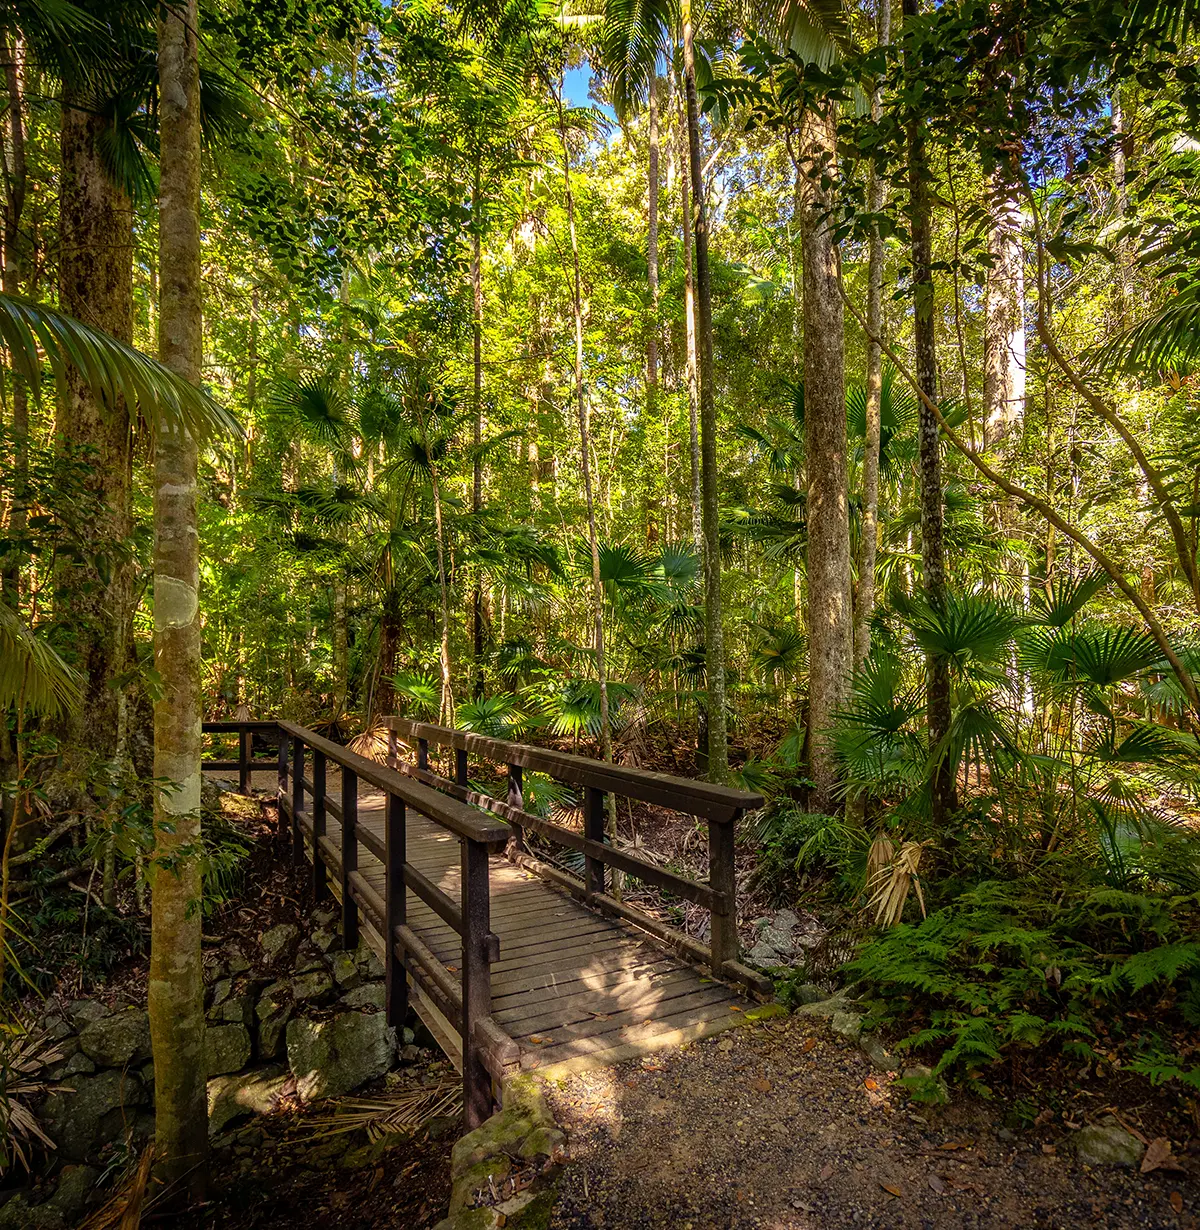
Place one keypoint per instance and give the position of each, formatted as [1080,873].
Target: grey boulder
[330,1058]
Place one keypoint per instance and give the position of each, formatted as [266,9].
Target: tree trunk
[95,285]
[477,426]
[176,996]
[15,184]
[718,749]
[933,558]
[689,312]
[869,537]
[1004,317]
[830,614]
[652,253]
[585,447]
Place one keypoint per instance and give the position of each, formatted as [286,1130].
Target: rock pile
[783,939]
[303,1017]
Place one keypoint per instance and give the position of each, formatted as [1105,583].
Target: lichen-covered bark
[1004,316]
[95,285]
[176,996]
[830,615]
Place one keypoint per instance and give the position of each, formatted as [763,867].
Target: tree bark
[585,446]
[689,310]
[1004,316]
[95,285]
[830,614]
[933,557]
[864,607]
[718,749]
[176,995]
[477,426]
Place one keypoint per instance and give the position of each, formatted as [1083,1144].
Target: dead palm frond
[128,1203]
[23,1056]
[402,1113]
[891,875]
[372,744]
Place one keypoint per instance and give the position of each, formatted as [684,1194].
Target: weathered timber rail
[505,970]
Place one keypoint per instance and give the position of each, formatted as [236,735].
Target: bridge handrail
[684,794]
[466,1002]
[720,805]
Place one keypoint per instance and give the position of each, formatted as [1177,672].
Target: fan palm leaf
[31,673]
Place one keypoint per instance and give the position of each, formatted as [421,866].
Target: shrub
[1095,973]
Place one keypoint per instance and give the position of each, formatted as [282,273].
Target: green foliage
[794,845]
[1010,968]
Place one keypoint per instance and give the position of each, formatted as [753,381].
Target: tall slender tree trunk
[864,607]
[830,606]
[689,316]
[95,285]
[652,178]
[176,997]
[16,178]
[585,446]
[933,556]
[718,744]
[477,410]
[1004,318]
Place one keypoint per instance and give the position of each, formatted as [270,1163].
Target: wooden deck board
[592,989]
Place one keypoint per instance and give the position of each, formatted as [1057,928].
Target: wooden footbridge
[510,962]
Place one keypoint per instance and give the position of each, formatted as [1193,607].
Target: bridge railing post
[460,766]
[297,799]
[393,759]
[320,876]
[422,753]
[349,856]
[593,828]
[283,781]
[478,951]
[723,937]
[396,851]
[244,753]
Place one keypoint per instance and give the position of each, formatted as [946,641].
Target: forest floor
[783,1126]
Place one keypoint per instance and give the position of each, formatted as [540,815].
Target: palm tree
[176,996]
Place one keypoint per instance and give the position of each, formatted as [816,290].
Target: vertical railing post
[476,979]
[244,752]
[723,935]
[593,827]
[297,799]
[283,781]
[395,843]
[393,757]
[349,856]
[460,765]
[516,798]
[422,753]
[320,877]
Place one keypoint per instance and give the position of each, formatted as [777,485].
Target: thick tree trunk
[1004,317]
[718,749]
[830,614]
[689,316]
[864,607]
[933,556]
[585,447]
[95,285]
[176,996]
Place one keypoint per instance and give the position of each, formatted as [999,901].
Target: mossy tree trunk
[176,972]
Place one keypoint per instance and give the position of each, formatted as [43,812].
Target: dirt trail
[785,1127]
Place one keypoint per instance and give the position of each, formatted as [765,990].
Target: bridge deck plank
[591,989]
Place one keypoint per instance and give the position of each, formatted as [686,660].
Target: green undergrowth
[1037,969]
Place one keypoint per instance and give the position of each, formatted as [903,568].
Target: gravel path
[782,1126]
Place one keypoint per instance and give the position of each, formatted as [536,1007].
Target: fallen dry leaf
[734,1008]
[810,1044]
[826,1170]
[1177,1202]
[1049,1149]
[937,1183]
[1158,1156]
[762,1085]
[871,1083]
[891,1190]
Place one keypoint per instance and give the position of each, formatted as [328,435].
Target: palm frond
[1167,341]
[31,673]
[1068,596]
[112,370]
